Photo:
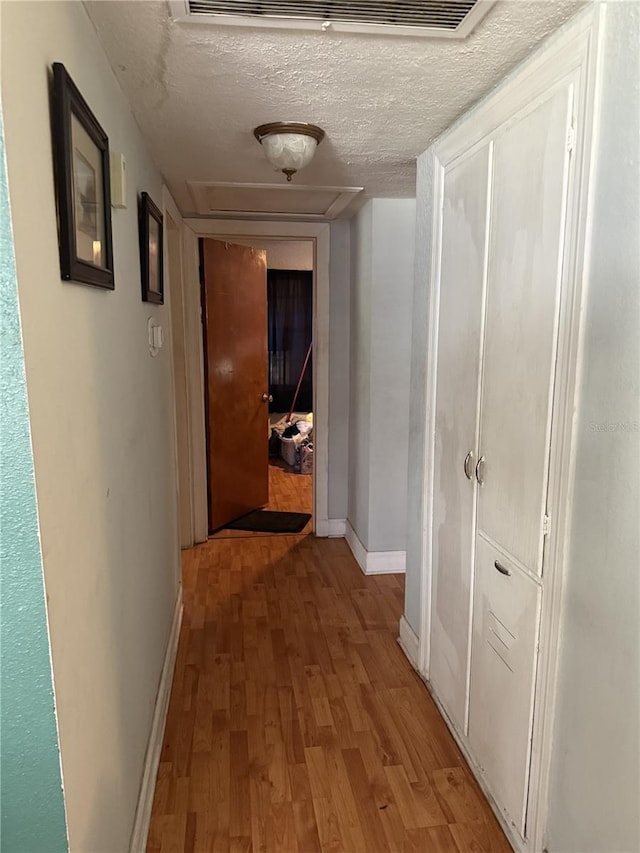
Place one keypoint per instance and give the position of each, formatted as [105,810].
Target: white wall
[360,373]
[339,310]
[381,308]
[284,254]
[595,785]
[393,251]
[103,440]
[417,392]
[290,255]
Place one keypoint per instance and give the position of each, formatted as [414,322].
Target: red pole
[295,396]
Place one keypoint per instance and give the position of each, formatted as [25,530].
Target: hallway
[296,723]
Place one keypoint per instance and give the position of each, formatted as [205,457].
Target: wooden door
[237,411]
[462,265]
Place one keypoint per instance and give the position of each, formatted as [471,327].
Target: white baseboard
[357,548]
[375,562]
[154,746]
[337,528]
[386,562]
[518,844]
[409,642]
[334,528]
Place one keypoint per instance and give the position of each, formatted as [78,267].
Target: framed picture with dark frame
[83,194]
[151,241]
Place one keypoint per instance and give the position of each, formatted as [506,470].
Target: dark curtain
[290,318]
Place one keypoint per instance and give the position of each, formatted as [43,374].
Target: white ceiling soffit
[270,200]
[453,19]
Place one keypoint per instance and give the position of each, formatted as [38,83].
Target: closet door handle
[480,471]
[468,465]
[502,569]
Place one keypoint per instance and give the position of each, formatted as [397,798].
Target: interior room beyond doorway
[289,439]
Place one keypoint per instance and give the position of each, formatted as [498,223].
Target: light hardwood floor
[295,722]
[288,492]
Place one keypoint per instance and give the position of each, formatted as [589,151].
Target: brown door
[235,324]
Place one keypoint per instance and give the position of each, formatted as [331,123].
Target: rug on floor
[268,521]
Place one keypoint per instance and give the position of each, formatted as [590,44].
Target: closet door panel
[460,328]
[505,636]
[525,257]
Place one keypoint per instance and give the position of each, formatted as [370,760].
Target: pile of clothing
[295,438]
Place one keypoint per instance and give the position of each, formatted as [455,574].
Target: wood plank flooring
[288,492]
[295,722]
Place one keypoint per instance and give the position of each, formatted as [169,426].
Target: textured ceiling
[198,91]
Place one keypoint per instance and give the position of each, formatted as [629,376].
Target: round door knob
[267,398]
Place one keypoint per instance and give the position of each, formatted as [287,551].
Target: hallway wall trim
[336,528]
[375,562]
[319,233]
[182,297]
[409,643]
[154,747]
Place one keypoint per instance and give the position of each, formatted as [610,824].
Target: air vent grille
[445,16]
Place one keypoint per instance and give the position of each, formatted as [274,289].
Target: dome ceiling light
[289,145]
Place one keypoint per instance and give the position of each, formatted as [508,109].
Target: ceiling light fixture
[289,145]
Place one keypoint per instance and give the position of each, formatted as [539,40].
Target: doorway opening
[258,322]
[188,358]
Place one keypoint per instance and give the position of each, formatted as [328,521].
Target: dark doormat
[267,521]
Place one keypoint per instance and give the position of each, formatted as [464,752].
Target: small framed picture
[81,161]
[151,251]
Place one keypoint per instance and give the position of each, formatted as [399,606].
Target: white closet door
[528,211]
[460,328]
[505,636]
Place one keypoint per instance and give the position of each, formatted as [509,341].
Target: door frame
[317,233]
[574,52]
[182,297]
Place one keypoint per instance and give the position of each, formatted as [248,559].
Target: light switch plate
[158,336]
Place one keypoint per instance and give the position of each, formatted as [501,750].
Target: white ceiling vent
[431,18]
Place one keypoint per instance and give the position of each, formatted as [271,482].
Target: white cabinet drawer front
[503,665]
